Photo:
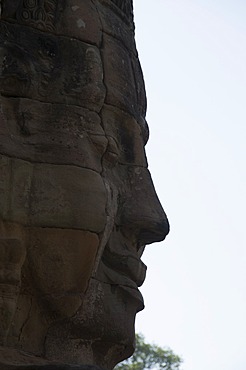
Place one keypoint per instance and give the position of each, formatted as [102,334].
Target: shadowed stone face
[77,203]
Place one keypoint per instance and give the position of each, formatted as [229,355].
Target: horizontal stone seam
[134,54]
[72,165]
[68,104]
[47,32]
[28,226]
[49,163]
[45,102]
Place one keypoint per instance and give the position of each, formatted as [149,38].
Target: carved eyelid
[100,142]
[112,153]
[112,146]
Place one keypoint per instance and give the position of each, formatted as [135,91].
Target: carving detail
[39,13]
[36,13]
[77,202]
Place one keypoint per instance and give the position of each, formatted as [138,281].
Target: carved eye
[112,152]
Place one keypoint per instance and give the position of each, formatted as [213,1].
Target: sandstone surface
[77,202]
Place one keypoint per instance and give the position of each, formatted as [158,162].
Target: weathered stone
[109,16]
[138,189]
[49,195]
[59,263]
[77,203]
[30,13]
[12,256]
[15,360]
[119,77]
[123,78]
[127,135]
[80,20]
[116,325]
[140,89]
[62,260]
[65,17]
[51,133]
[44,67]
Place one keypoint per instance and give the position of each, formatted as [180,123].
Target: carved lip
[124,269]
[129,287]
[136,295]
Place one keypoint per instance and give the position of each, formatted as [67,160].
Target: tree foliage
[150,356]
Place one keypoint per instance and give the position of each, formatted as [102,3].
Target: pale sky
[193,55]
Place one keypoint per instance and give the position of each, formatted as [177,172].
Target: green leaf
[150,356]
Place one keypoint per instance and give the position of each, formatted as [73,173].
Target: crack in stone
[46,32]
[45,102]
[26,320]
[50,163]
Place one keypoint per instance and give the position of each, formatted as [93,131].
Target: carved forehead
[96,66]
[71,23]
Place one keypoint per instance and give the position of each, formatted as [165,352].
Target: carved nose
[142,212]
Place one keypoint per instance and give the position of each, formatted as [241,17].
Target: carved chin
[103,325]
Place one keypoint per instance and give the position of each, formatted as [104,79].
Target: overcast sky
[193,54]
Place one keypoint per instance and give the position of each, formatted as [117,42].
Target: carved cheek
[67,197]
[61,262]
[48,195]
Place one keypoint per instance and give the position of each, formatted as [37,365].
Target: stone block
[61,261]
[51,133]
[66,17]
[52,195]
[118,76]
[49,68]
[127,135]
[115,24]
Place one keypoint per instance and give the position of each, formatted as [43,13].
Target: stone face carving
[77,203]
